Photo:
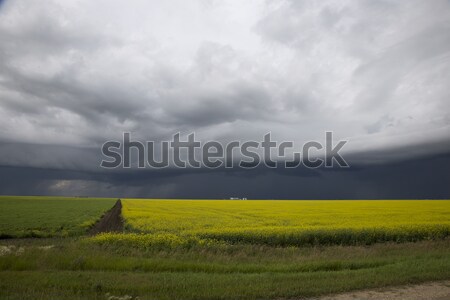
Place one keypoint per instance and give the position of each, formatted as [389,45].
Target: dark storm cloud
[424,178]
[56,157]
[75,74]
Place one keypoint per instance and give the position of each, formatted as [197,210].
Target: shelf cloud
[75,74]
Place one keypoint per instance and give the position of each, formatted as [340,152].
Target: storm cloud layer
[74,74]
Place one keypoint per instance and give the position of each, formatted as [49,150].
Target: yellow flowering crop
[281,223]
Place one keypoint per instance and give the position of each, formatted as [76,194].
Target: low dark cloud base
[422,178]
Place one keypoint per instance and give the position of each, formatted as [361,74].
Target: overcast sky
[74,74]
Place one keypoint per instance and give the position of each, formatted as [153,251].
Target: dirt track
[110,222]
[426,291]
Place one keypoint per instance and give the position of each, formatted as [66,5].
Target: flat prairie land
[36,216]
[220,249]
[286,223]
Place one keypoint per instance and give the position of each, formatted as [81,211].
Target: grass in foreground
[49,216]
[81,269]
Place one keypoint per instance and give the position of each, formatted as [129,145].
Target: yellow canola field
[286,223]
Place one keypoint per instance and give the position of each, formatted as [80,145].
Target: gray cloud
[75,74]
[420,178]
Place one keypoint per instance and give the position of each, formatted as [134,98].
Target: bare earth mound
[427,291]
[110,222]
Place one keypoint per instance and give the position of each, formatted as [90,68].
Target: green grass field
[49,216]
[202,249]
[78,269]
